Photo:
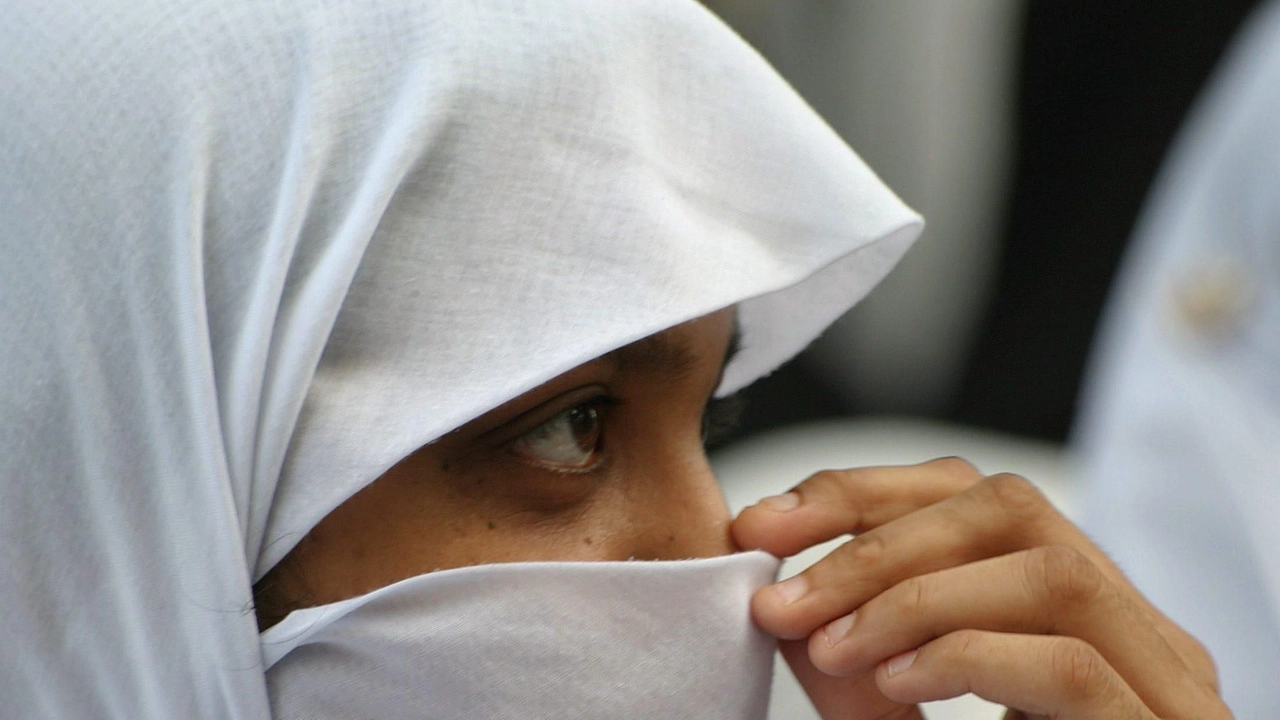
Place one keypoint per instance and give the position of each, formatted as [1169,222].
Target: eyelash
[721,418]
[597,405]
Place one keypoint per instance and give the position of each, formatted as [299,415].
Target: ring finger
[1051,590]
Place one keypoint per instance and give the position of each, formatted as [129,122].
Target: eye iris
[569,440]
[584,423]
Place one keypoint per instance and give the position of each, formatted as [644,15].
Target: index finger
[835,502]
[832,503]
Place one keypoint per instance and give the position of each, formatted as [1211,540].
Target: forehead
[678,350]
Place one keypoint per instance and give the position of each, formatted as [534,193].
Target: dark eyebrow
[730,352]
[656,354]
[667,355]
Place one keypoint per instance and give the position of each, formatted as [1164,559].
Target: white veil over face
[254,252]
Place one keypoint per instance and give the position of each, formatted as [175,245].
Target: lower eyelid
[531,458]
[580,478]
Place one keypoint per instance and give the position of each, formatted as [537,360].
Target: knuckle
[961,646]
[1016,495]
[866,550]
[916,596]
[825,483]
[834,489]
[956,467]
[1203,663]
[1197,658]
[1065,575]
[1078,668]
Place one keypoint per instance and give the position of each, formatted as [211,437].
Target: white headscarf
[254,252]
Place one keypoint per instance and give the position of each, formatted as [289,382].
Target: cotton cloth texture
[255,252]
[1180,424]
[534,640]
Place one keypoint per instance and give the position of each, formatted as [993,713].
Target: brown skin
[958,582]
[485,494]
[963,583]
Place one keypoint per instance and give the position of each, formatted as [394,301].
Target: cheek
[659,504]
[496,512]
[655,498]
[673,507]
[504,492]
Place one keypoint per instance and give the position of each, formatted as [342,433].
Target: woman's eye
[569,441]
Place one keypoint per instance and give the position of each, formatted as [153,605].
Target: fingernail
[900,663]
[780,503]
[792,590]
[838,629]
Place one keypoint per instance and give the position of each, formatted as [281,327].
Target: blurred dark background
[1096,93]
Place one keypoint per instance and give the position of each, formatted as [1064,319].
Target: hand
[957,583]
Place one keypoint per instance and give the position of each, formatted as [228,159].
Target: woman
[309,300]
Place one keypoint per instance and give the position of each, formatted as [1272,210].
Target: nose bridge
[687,515]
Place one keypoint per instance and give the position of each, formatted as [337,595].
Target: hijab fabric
[515,641]
[255,252]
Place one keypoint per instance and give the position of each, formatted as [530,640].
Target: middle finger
[1002,514]
[1048,590]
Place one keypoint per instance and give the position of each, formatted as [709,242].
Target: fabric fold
[256,252]
[534,640]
